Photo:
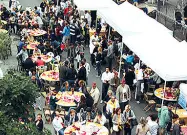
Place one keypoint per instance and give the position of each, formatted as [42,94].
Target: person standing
[73,32]
[65,33]
[115,82]
[153,124]
[106,77]
[123,94]
[87,66]
[98,61]
[142,127]
[88,18]
[129,77]
[71,75]
[140,83]
[39,123]
[128,116]
[118,121]
[165,119]
[95,93]
[110,55]
[63,72]
[82,72]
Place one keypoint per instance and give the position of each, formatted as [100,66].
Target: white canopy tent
[163,54]
[128,19]
[160,52]
[93,4]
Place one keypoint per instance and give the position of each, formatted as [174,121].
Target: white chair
[50,54]
[57,58]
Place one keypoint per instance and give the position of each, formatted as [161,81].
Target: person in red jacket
[40,62]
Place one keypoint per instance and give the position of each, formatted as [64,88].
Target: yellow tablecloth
[50,75]
[159,93]
[89,128]
[45,58]
[32,45]
[181,113]
[92,31]
[67,98]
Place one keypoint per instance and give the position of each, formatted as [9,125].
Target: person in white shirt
[62,5]
[39,21]
[88,17]
[100,118]
[87,66]
[58,123]
[139,83]
[23,53]
[153,124]
[106,77]
[60,21]
[123,94]
[36,51]
[95,93]
[94,38]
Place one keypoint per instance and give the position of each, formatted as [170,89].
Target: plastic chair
[57,58]
[50,54]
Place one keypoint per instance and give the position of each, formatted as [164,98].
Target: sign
[182,100]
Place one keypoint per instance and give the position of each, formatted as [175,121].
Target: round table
[87,129]
[50,75]
[159,93]
[45,58]
[102,32]
[37,32]
[32,45]
[66,99]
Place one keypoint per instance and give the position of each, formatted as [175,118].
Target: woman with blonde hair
[98,61]
[142,127]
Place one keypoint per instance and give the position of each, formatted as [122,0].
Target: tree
[12,127]
[17,94]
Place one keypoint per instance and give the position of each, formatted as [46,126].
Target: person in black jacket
[29,64]
[63,72]
[89,99]
[82,72]
[129,77]
[39,123]
[81,104]
[71,75]
[98,61]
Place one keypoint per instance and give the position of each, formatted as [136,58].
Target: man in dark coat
[63,72]
[29,64]
[82,72]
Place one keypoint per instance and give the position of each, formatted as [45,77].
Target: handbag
[134,122]
[115,128]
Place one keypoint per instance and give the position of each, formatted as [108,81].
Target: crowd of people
[67,32]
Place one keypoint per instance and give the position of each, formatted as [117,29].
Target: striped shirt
[72,29]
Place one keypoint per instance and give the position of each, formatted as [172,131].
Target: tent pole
[164,93]
[109,33]
[139,64]
[96,22]
[120,58]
